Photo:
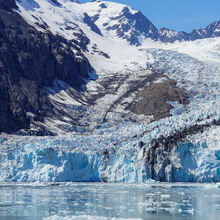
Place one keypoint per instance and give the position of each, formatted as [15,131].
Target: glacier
[109,144]
[119,153]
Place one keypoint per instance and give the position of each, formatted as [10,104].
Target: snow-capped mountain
[111,19]
[126,103]
[121,21]
[212,30]
[167,35]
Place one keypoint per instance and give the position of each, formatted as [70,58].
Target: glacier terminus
[121,101]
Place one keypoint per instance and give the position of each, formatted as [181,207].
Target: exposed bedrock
[29,61]
[175,159]
[154,99]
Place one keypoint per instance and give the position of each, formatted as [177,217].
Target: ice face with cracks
[118,150]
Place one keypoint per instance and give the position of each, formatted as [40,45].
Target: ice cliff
[128,152]
[98,137]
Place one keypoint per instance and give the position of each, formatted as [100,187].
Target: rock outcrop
[159,157]
[154,99]
[29,61]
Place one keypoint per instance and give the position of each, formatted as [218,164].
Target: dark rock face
[196,34]
[8,5]
[88,20]
[145,26]
[56,3]
[158,156]
[102,5]
[29,61]
[155,97]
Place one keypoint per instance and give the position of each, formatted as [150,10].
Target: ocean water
[82,201]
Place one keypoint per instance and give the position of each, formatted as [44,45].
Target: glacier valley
[97,134]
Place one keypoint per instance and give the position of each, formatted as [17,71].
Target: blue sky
[181,15]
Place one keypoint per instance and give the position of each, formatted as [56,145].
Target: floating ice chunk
[86,217]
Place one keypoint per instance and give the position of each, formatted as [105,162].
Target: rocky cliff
[29,61]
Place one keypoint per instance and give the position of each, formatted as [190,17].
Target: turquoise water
[109,201]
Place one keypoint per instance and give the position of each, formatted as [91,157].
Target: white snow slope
[110,149]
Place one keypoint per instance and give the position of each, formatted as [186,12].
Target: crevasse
[58,160]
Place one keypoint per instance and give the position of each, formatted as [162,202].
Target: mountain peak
[121,21]
[115,20]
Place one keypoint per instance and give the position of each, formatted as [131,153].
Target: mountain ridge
[212,30]
[143,26]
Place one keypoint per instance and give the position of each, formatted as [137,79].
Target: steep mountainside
[51,49]
[29,61]
[46,51]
